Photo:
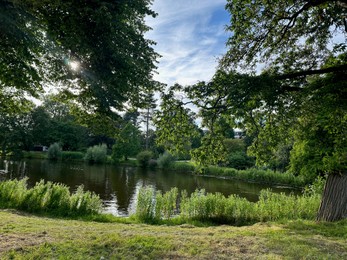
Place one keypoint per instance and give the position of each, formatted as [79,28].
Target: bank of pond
[107,192]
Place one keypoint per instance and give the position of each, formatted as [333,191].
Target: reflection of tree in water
[10,169]
[124,186]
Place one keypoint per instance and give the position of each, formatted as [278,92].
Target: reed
[50,198]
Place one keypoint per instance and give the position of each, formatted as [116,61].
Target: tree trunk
[333,206]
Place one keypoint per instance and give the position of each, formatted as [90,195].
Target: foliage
[54,152]
[217,208]
[165,160]
[176,121]
[294,35]
[96,154]
[68,155]
[41,39]
[143,158]
[51,198]
[127,142]
[236,154]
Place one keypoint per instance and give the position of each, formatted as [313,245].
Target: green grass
[31,237]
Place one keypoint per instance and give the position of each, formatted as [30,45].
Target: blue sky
[190,36]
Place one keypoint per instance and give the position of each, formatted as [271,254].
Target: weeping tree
[94,51]
[291,92]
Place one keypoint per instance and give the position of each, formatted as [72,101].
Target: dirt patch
[20,241]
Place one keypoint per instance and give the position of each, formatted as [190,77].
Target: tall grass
[202,206]
[52,198]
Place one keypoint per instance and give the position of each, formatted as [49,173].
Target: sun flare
[74,65]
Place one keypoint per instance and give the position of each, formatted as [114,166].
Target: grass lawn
[24,236]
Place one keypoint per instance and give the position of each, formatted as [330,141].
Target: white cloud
[190,37]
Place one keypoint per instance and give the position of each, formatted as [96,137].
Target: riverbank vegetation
[157,207]
[48,198]
[154,207]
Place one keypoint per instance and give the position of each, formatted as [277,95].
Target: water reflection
[118,186]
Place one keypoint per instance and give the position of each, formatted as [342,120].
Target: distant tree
[175,126]
[15,133]
[127,142]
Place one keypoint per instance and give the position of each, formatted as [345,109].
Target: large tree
[95,48]
[283,79]
[301,94]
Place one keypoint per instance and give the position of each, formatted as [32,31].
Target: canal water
[118,186]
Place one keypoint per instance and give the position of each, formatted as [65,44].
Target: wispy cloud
[190,37]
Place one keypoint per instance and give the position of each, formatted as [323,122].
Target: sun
[74,65]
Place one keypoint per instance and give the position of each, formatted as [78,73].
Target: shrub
[143,158]
[96,154]
[165,160]
[240,160]
[54,152]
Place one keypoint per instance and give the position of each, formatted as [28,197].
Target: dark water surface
[118,185]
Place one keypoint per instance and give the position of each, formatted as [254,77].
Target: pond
[118,186]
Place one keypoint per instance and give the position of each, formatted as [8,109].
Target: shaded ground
[31,237]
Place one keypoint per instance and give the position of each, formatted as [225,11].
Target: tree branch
[305,73]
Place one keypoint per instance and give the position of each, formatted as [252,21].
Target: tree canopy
[283,80]
[96,50]
[295,35]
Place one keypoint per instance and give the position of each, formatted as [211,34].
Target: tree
[96,49]
[149,106]
[298,98]
[295,36]
[296,39]
[175,123]
[128,142]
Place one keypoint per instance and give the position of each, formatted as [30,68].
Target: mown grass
[32,237]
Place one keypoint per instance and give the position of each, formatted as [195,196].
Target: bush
[49,197]
[54,152]
[165,160]
[143,158]
[240,160]
[67,155]
[96,154]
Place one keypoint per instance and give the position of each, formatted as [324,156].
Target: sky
[190,36]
